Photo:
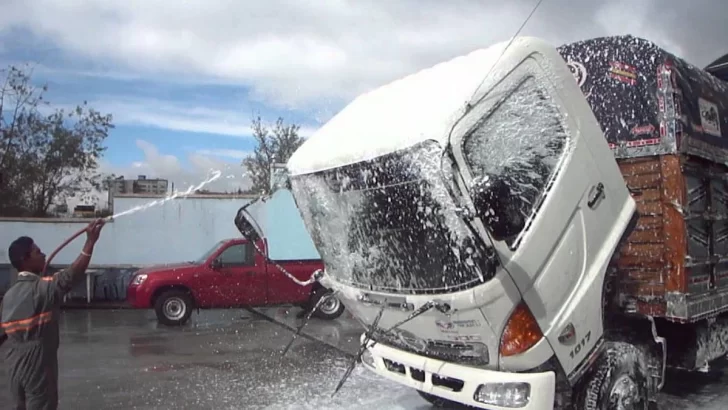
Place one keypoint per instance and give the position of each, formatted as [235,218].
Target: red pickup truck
[231,274]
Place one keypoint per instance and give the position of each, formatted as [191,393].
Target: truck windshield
[390,224]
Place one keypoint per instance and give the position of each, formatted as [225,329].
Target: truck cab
[470,211]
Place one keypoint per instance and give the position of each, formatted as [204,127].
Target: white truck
[478,218]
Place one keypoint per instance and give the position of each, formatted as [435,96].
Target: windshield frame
[475,262]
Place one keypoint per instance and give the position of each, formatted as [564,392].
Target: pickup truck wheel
[331,307]
[173,307]
[618,382]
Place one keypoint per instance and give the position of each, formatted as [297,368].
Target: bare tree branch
[272,146]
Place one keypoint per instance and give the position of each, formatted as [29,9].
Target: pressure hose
[60,247]
[64,244]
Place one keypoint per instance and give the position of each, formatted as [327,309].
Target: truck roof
[416,108]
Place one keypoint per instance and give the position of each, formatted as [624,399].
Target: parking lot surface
[231,359]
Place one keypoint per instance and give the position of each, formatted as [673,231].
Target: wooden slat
[634,262]
[644,274]
[647,251]
[676,243]
[649,208]
[647,236]
[639,166]
[642,289]
[643,181]
[648,195]
[649,222]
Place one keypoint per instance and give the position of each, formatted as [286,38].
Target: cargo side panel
[699,229]
[642,263]
[675,263]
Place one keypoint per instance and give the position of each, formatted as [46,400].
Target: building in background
[141,185]
[84,211]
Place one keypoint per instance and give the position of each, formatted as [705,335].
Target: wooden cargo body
[667,123]
[675,263]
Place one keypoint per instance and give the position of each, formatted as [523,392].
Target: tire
[330,309]
[620,376]
[441,403]
[173,307]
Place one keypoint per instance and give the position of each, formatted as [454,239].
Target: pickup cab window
[237,255]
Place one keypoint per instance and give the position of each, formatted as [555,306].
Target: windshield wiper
[368,336]
[373,329]
[463,212]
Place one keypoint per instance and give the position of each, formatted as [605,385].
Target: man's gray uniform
[30,313]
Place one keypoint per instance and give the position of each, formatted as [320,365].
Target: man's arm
[3,336]
[68,278]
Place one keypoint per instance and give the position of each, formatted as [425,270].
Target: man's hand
[93,230]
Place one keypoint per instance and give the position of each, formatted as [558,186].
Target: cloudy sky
[182,78]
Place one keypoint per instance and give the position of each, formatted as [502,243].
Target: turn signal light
[521,333]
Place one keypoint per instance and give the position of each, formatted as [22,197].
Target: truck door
[546,189]
[241,281]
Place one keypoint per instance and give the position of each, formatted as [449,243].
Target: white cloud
[189,116]
[305,54]
[160,165]
[225,153]
[156,164]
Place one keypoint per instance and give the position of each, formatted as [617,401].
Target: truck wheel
[441,403]
[618,382]
[331,308]
[173,307]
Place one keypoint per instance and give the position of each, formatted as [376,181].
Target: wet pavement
[230,359]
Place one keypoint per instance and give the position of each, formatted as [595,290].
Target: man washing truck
[474,218]
[30,313]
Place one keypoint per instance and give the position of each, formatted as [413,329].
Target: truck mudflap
[480,388]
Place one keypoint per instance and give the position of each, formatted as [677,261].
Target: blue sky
[182,79]
[178,116]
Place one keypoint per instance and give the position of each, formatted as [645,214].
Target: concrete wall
[107,283]
[178,230]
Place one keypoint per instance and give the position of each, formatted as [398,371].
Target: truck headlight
[139,279]
[512,395]
[368,359]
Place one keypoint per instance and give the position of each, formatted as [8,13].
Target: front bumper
[139,296]
[456,382]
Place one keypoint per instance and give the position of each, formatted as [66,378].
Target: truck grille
[467,354]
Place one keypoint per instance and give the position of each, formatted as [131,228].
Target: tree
[274,145]
[46,155]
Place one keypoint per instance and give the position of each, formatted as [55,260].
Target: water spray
[215,175]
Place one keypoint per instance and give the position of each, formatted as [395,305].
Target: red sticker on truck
[623,72]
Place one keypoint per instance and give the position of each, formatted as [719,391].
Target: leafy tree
[46,155]
[274,145]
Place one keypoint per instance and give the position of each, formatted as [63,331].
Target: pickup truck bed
[667,124]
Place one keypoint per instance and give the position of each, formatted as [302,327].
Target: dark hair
[19,250]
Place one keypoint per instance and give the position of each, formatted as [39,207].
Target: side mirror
[498,207]
[246,226]
[216,264]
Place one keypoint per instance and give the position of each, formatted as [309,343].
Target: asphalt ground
[231,359]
